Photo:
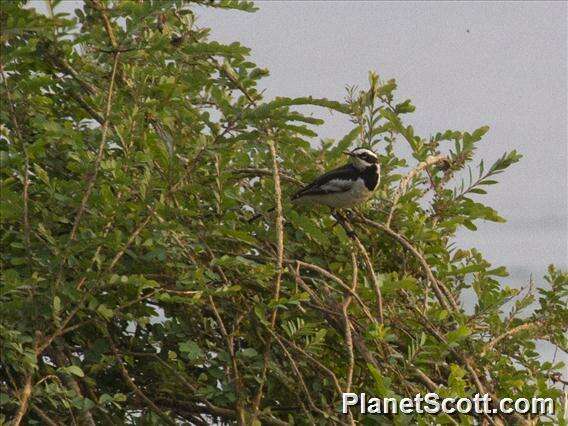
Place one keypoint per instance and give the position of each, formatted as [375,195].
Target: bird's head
[362,158]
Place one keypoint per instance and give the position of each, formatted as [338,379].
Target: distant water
[526,247]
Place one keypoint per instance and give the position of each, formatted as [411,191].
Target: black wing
[333,182]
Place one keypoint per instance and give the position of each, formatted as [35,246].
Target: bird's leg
[350,213]
[340,218]
[336,216]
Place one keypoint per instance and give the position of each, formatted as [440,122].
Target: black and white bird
[346,186]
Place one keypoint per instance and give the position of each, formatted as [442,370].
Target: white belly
[356,195]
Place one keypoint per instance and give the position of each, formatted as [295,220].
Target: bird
[346,186]
[343,187]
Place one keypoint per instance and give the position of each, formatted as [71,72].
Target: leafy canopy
[134,289]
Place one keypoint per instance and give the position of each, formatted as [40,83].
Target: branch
[279,262]
[490,345]
[106,22]
[119,255]
[43,416]
[92,178]
[338,280]
[25,192]
[348,336]
[369,265]
[62,360]
[465,359]
[237,377]
[434,159]
[373,277]
[298,374]
[442,293]
[214,409]
[265,172]
[232,79]
[154,209]
[24,398]
[358,341]
[132,385]
[86,106]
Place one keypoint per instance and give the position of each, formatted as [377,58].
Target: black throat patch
[371,177]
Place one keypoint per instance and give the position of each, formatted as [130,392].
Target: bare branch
[133,386]
[92,178]
[235,367]
[430,161]
[266,172]
[443,297]
[24,398]
[279,262]
[526,326]
[348,326]
[26,183]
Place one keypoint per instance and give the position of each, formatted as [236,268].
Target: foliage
[135,290]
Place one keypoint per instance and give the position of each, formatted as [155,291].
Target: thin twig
[235,367]
[24,398]
[92,178]
[133,386]
[279,262]
[26,184]
[526,326]
[434,159]
[348,336]
[338,280]
[443,296]
[265,172]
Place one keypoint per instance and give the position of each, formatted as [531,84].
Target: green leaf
[405,107]
[459,334]
[479,133]
[501,271]
[191,350]
[56,305]
[248,353]
[382,383]
[73,369]
[105,312]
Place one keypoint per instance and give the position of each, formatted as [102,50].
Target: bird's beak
[348,153]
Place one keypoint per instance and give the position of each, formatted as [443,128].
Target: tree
[136,290]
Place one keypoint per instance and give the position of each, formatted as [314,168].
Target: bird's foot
[351,233]
[350,214]
[344,222]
